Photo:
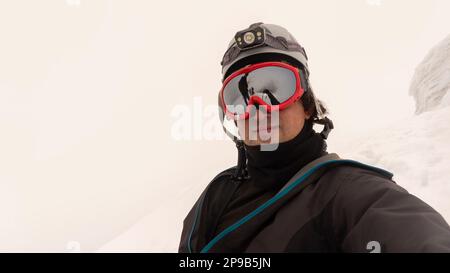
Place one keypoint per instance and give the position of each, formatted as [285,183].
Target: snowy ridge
[431,81]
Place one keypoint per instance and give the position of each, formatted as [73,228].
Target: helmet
[262,40]
[259,43]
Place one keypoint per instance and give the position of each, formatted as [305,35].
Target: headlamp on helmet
[249,38]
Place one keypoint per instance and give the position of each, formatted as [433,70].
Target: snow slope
[431,81]
[160,230]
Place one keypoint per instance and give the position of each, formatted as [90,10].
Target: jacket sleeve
[373,214]
[183,246]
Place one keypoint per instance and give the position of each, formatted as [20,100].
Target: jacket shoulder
[224,174]
[189,220]
[350,174]
[354,172]
[369,206]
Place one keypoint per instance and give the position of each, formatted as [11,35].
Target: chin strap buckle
[327,126]
[241,171]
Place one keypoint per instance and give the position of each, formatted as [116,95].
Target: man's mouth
[268,128]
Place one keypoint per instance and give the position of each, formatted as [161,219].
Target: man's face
[275,127]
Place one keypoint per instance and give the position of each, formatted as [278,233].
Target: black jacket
[330,205]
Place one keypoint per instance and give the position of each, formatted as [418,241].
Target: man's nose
[261,112]
[264,97]
[267,96]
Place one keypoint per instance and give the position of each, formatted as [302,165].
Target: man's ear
[308,114]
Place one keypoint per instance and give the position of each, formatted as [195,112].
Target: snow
[446,100]
[431,81]
[415,149]
[145,235]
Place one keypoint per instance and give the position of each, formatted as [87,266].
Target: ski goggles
[272,85]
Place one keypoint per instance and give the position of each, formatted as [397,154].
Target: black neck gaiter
[270,170]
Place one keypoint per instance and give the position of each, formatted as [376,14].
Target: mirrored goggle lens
[272,84]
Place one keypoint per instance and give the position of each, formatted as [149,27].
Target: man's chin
[264,138]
